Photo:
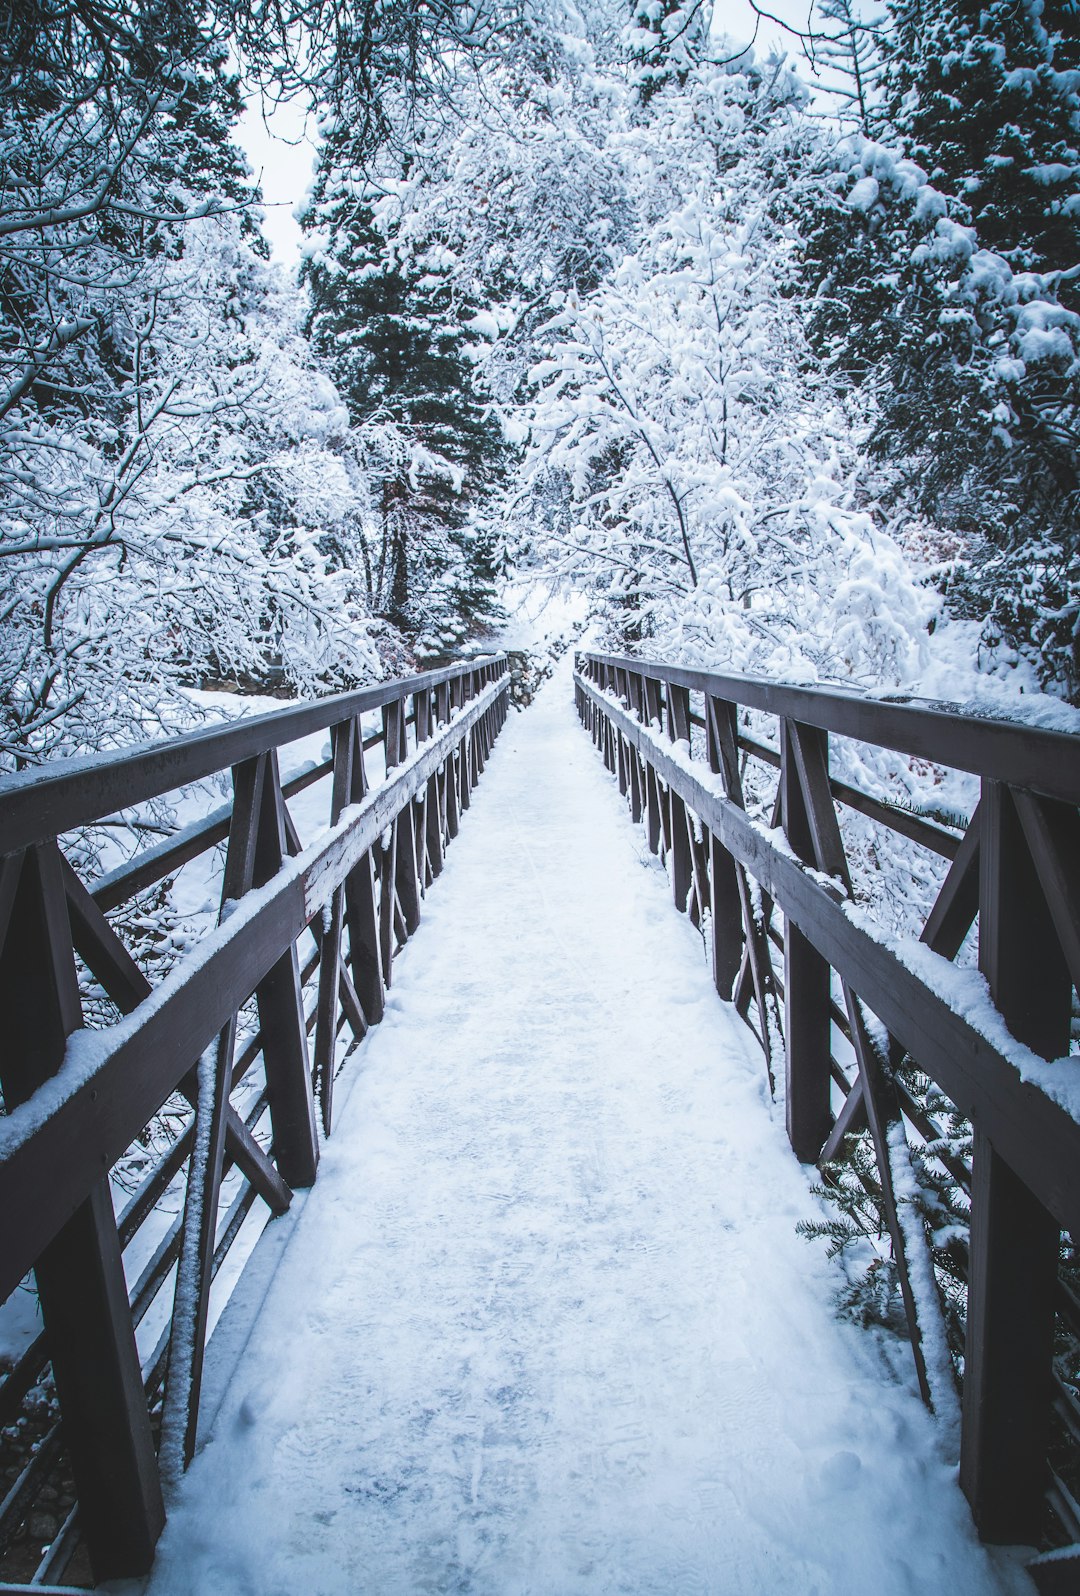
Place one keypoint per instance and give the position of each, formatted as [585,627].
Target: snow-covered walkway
[544,1324]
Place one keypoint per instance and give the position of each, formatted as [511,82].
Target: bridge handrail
[75,1103]
[1024,755]
[1015,871]
[50,799]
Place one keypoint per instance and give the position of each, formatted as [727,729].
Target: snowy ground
[544,1325]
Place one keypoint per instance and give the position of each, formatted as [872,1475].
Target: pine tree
[984,95]
[389,317]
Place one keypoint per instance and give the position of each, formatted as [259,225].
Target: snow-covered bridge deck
[544,1324]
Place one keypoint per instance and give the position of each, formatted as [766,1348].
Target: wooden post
[807,977]
[80,1275]
[343,741]
[727,927]
[464,754]
[653,802]
[281,1011]
[406,877]
[449,771]
[361,908]
[635,695]
[678,707]
[433,803]
[1014,1241]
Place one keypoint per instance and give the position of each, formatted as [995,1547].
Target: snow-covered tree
[972,369]
[394,324]
[688,451]
[986,98]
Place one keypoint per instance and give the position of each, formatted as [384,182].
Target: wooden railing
[75,1103]
[679,742]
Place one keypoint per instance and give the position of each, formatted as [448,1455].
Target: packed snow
[544,1324]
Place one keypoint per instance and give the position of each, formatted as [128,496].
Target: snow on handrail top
[1039,758]
[53,798]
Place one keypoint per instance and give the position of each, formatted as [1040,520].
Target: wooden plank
[1013,1256]
[80,1275]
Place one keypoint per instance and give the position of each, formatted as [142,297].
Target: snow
[544,1324]
[967,993]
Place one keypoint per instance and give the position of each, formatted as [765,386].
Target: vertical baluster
[464,755]
[727,927]
[388,857]
[406,874]
[281,1010]
[448,778]
[653,801]
[807,977]
[678,705]
[475,685]
[433,802]
[326,1013]
[636,696]
[622,749]
[361,906]
[183,1382]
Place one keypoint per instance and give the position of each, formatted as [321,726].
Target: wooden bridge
[250,1029]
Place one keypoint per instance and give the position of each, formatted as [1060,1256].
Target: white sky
[280,143]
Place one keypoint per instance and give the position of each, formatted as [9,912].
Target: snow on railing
[881,1039]
[219,1046]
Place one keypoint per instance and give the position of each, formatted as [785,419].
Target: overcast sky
[281,145]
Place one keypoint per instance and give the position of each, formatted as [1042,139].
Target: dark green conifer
[392,321]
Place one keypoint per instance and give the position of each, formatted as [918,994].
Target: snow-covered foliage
[178,488]
[203,528]
[694,457]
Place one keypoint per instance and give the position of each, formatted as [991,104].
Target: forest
[773,355]
[743,346]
